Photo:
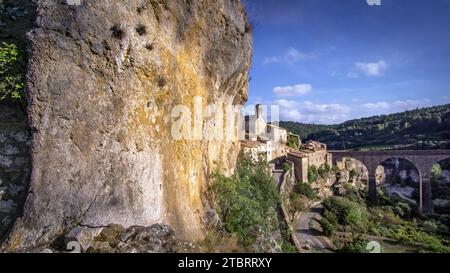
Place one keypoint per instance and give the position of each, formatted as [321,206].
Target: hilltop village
[278,144]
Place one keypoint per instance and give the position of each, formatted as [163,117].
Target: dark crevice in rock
[15,165]
[17,17]
[91,226]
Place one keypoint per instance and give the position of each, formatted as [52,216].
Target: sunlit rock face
[103,79]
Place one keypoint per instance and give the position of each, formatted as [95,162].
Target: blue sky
[328,61]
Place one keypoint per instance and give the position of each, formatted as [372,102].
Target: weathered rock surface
[102,80]
[324,186]
[352,173]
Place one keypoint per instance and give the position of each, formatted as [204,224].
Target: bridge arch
[422,159]
[440,187]
[400,177]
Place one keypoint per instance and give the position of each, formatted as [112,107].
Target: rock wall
[103,78]
[14,164]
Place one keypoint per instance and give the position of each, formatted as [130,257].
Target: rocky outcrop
[324,186]
[137,239]
[117,239]
[352,173]
[103,78]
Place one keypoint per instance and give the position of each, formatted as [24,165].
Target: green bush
[293,142]
[348,213]
[247,199]
[306,190]
[312,174]
[430,226]
[324,171]
[331,217]
[410,234]
[286,167]
[352,193]
[11,73]
[297,202]
[383,198]
[344,214]
[287,246]
[356,246]
[327,227]
[403,210]
[436,171]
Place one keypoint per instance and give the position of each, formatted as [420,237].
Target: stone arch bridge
[423,160]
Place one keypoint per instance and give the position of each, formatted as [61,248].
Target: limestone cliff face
[102,80]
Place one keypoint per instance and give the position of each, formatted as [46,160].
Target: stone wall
[286,187]
[318,158]
[14,164]
[300,167]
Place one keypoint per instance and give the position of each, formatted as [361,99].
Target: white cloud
[371,69]
[383,108]
[377,105]
[258,100]
[305,111]
[352,75]
[290,56]
[309,112]
[290,91]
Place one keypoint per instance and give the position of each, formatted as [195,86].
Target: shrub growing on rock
[324,171]
[327,227]
[352,193]
[246,201]
[11,73]
[306,190]
[297,202]
[312,174]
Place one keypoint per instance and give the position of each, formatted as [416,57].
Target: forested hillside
[426,128]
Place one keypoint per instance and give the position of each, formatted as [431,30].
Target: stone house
[310,154]
[261,137]
[271,140]
[257,128]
